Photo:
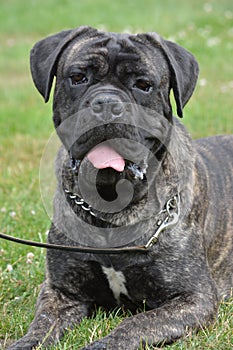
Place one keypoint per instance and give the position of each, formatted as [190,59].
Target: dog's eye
[143,85]
[79,78]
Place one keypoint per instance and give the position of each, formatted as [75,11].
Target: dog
[152,207]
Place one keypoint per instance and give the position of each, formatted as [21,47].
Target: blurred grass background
[203,27]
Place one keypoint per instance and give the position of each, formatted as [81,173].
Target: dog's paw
[24,343]
[97,345]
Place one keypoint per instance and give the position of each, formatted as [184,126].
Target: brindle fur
[188,271]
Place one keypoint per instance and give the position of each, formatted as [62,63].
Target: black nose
[107,105]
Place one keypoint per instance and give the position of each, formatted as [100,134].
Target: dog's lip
[103,156]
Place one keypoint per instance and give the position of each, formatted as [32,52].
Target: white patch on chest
[116,281]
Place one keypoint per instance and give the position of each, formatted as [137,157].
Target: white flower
[33,212]
[202,82]
[208,7]
[213,41]
[12,214]
[3,210]
[30,257]
[9,268]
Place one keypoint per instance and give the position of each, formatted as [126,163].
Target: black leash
[134,249]
[172,210]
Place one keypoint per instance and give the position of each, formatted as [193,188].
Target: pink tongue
[103,156]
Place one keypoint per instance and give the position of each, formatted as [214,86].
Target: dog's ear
[45,54]
[184,69]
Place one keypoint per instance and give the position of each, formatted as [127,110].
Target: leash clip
[173,211]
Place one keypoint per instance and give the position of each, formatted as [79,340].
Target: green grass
[205,28]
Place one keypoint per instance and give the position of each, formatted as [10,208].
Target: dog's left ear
[184,69]
[45,54]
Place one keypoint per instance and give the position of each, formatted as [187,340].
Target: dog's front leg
[55,312]
[164,324]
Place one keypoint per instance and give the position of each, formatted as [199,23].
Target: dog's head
[112,104]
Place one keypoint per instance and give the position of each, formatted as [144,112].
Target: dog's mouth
[112,168]
[114,161]
[103,167]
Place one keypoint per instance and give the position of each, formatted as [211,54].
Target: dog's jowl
[129,176]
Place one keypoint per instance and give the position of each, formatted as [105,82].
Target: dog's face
[112,105]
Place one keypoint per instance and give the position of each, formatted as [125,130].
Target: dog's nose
[107,104]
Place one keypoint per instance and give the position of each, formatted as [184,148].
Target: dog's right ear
[45,54]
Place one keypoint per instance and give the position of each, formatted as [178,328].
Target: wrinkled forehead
[109,49]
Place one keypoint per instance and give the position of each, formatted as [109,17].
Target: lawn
[203,27]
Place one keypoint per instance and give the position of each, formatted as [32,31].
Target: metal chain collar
[80,201]
[172,209]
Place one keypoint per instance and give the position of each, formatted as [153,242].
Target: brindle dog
[113,114]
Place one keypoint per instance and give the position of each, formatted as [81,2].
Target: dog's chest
[116,281]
